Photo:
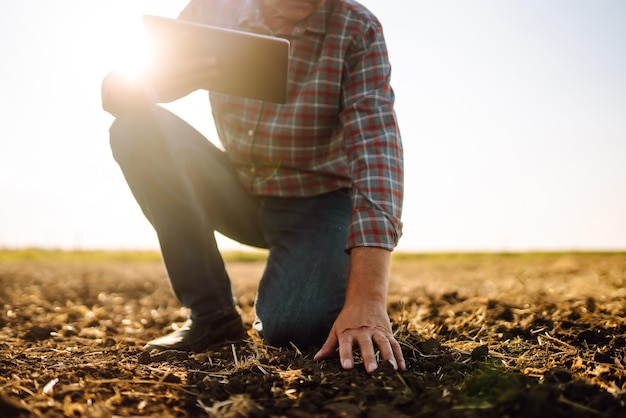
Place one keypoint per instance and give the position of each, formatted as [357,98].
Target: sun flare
[134,52]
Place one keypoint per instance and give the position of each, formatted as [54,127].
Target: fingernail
[347,364]
[371,367]
[394,364]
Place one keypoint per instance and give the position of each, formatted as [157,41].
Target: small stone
[108,342]
[480,353]
[144,358]
[37,333]
[430,346]
[170,378]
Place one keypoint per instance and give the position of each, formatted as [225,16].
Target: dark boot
[197,336]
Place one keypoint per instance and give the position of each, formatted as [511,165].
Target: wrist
[369,276]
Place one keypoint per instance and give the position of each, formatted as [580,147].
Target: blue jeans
[188,189]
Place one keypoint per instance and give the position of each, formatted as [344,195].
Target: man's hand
[363,322]
[162,83]
[171,81]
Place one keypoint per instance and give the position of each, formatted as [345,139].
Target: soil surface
[483,335]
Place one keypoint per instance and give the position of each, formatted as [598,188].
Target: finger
[328,348]
[198,72]
[383,342]
[208,60]
[172,42]
[346,342]
[195,67]
[367,352]
[397,352]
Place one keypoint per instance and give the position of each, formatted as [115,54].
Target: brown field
[484,335]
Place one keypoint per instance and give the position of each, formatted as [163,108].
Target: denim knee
[301,330]
[125,137]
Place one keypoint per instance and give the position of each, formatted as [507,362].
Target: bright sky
[513,115]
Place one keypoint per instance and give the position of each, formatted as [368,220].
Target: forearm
[368,281]
[364,321]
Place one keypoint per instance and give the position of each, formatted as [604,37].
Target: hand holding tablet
[192,56]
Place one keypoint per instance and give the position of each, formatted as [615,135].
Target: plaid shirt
[338,128]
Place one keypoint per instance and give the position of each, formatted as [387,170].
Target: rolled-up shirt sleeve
[373,144]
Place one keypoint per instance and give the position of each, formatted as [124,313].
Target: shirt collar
[250,17]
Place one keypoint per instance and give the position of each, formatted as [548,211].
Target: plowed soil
[525,335]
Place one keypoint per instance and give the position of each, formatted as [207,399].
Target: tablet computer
[250,65]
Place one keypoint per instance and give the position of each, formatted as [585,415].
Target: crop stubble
[484,335]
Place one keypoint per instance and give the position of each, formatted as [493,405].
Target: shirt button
[298,30]
[250,132]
